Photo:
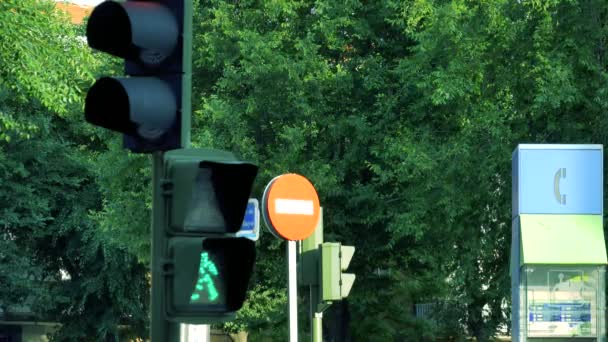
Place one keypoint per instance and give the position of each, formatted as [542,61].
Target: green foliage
[486,77]
[30,71]
[125,182]
[392,307]
[402,113]
[49,192]
[263,306]
[54,259]
[404,116]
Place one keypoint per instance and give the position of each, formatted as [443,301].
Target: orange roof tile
[77,13]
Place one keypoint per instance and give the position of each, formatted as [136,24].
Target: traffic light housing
[206,268]
[149,105]
[335,258]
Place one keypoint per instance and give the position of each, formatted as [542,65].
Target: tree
[484,78]
[404,115]
[306,87]
[54,258]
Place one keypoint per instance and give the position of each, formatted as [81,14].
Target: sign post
[292,288]
[290,207]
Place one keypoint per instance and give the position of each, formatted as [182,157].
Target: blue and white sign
[251,223]
[557,179]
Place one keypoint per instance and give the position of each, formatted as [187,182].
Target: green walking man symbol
[206,271]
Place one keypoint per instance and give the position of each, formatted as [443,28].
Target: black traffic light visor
[140,31]
[232,183]
[109,30]
[107,105]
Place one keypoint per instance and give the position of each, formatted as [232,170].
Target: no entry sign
[290,207]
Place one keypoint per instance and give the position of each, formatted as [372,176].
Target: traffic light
[320,268]
[205,269]
[335,259]
[148,106]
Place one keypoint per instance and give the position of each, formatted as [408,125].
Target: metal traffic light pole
[309,276]
[187,76]
[316,316]
[162,330]
[186,95]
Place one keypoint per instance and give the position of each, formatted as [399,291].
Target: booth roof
[562,239]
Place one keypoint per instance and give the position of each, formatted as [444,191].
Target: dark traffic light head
[149,106]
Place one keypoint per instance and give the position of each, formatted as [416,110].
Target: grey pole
[292,292]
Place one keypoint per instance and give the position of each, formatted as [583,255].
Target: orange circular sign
[291,207]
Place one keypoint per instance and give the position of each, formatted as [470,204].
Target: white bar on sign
[294,207]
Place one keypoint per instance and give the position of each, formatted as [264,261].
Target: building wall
[76,12]
[36,333]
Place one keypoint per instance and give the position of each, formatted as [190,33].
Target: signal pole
[160,328]
[316,315]
[187,75]
[184,138]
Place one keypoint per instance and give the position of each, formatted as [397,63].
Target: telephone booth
[558,254]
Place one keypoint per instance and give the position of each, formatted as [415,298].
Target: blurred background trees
[403,114]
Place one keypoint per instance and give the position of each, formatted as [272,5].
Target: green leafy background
[403,114]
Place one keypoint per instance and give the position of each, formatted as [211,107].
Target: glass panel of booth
[563,300]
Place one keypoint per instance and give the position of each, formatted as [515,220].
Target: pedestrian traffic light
[148,106]
[207,278]
[335,258]
[206,269]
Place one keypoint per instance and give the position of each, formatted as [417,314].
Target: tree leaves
[55,262]
[403,114]
[40,56]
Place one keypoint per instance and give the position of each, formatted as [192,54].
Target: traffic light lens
[231,184]
[109,30]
